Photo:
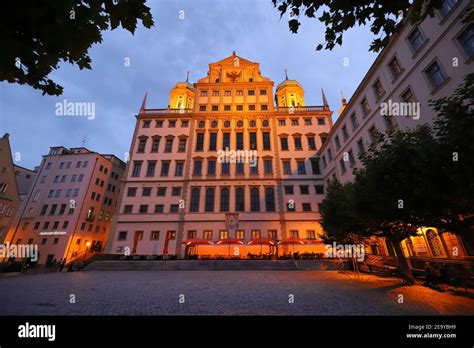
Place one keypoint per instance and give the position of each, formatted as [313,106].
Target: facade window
[289,190]
[159,124]
[301,167]
[256,234]
[269,199]
[345,133]
[315,166]
[176,191]
[254,199]
[172,124]
[254,167]
[253,140]
[416,40]
[227,93]
[224,199]
[225,140]
[304,189]
[294,233]
[290,206]
[319,189]
[169,145]
[203,93]
[225,168]
[146,124]
[137,167]
[239,93]
[361,146]
[298,144]
[239,199]
[374,135]
[447,6]
[240,107]
[251,107]
[306,206]
[321,122]
[239,167]
[311,143]
[268,167]
[195,196]
[466,40]
[223,234]
[155,235]
[378,89]
[200,142]
[174,208]
[161,192]
[150,171]
[351,158]
[141,145]
[337,142]
[215,93]
[264,107]
[240,234]
[211,167]
[226,107]
[143,208]
[212,141]
[207,234]
[165,168]
[364,104]
[307,122]
[252,124]
[182,145]
[310,234]
[265,123]
[239,139]
[395,68]
[435,75]
[390,122]
[127,209]
[210,193]
[251,92]
[81,177]
[282,122]
[131,192]
[408,97]
[214,124]
[342,165]
[184,123]
[354,121]
[287,167]
[294,122]
[266,140]
[202,124]
[197,167]
[263,92]
[284,143]
[272,234]
[215,107]
[179,169]
[159,208]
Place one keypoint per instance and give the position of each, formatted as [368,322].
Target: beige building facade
[420,63]
[223,161]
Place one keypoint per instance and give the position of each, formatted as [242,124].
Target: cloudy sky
[159,57]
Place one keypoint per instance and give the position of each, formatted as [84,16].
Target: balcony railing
[290,109]
[166,111]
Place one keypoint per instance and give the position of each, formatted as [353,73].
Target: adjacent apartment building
[420,63]
[183,183]
[9,195]
[69,208]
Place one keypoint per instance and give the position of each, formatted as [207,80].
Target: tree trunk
[403,263]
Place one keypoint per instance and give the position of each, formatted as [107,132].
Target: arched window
[210,199]
[265,123]
[240,124]
[195,193]
[239,199]
[214,124]
[202,124]
[270,199]
[254,199]
[225,199]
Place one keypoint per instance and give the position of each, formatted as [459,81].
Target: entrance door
[49,259]
[138,237]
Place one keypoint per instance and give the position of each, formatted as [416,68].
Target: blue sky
[160,57]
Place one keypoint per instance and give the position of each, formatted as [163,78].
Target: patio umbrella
[196,242]
[262,241]
[292,241]
[229,242]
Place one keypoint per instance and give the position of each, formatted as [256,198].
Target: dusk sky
[160,56]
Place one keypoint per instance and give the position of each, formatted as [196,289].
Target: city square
[223,293]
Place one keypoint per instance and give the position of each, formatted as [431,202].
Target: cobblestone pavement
[221,293]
